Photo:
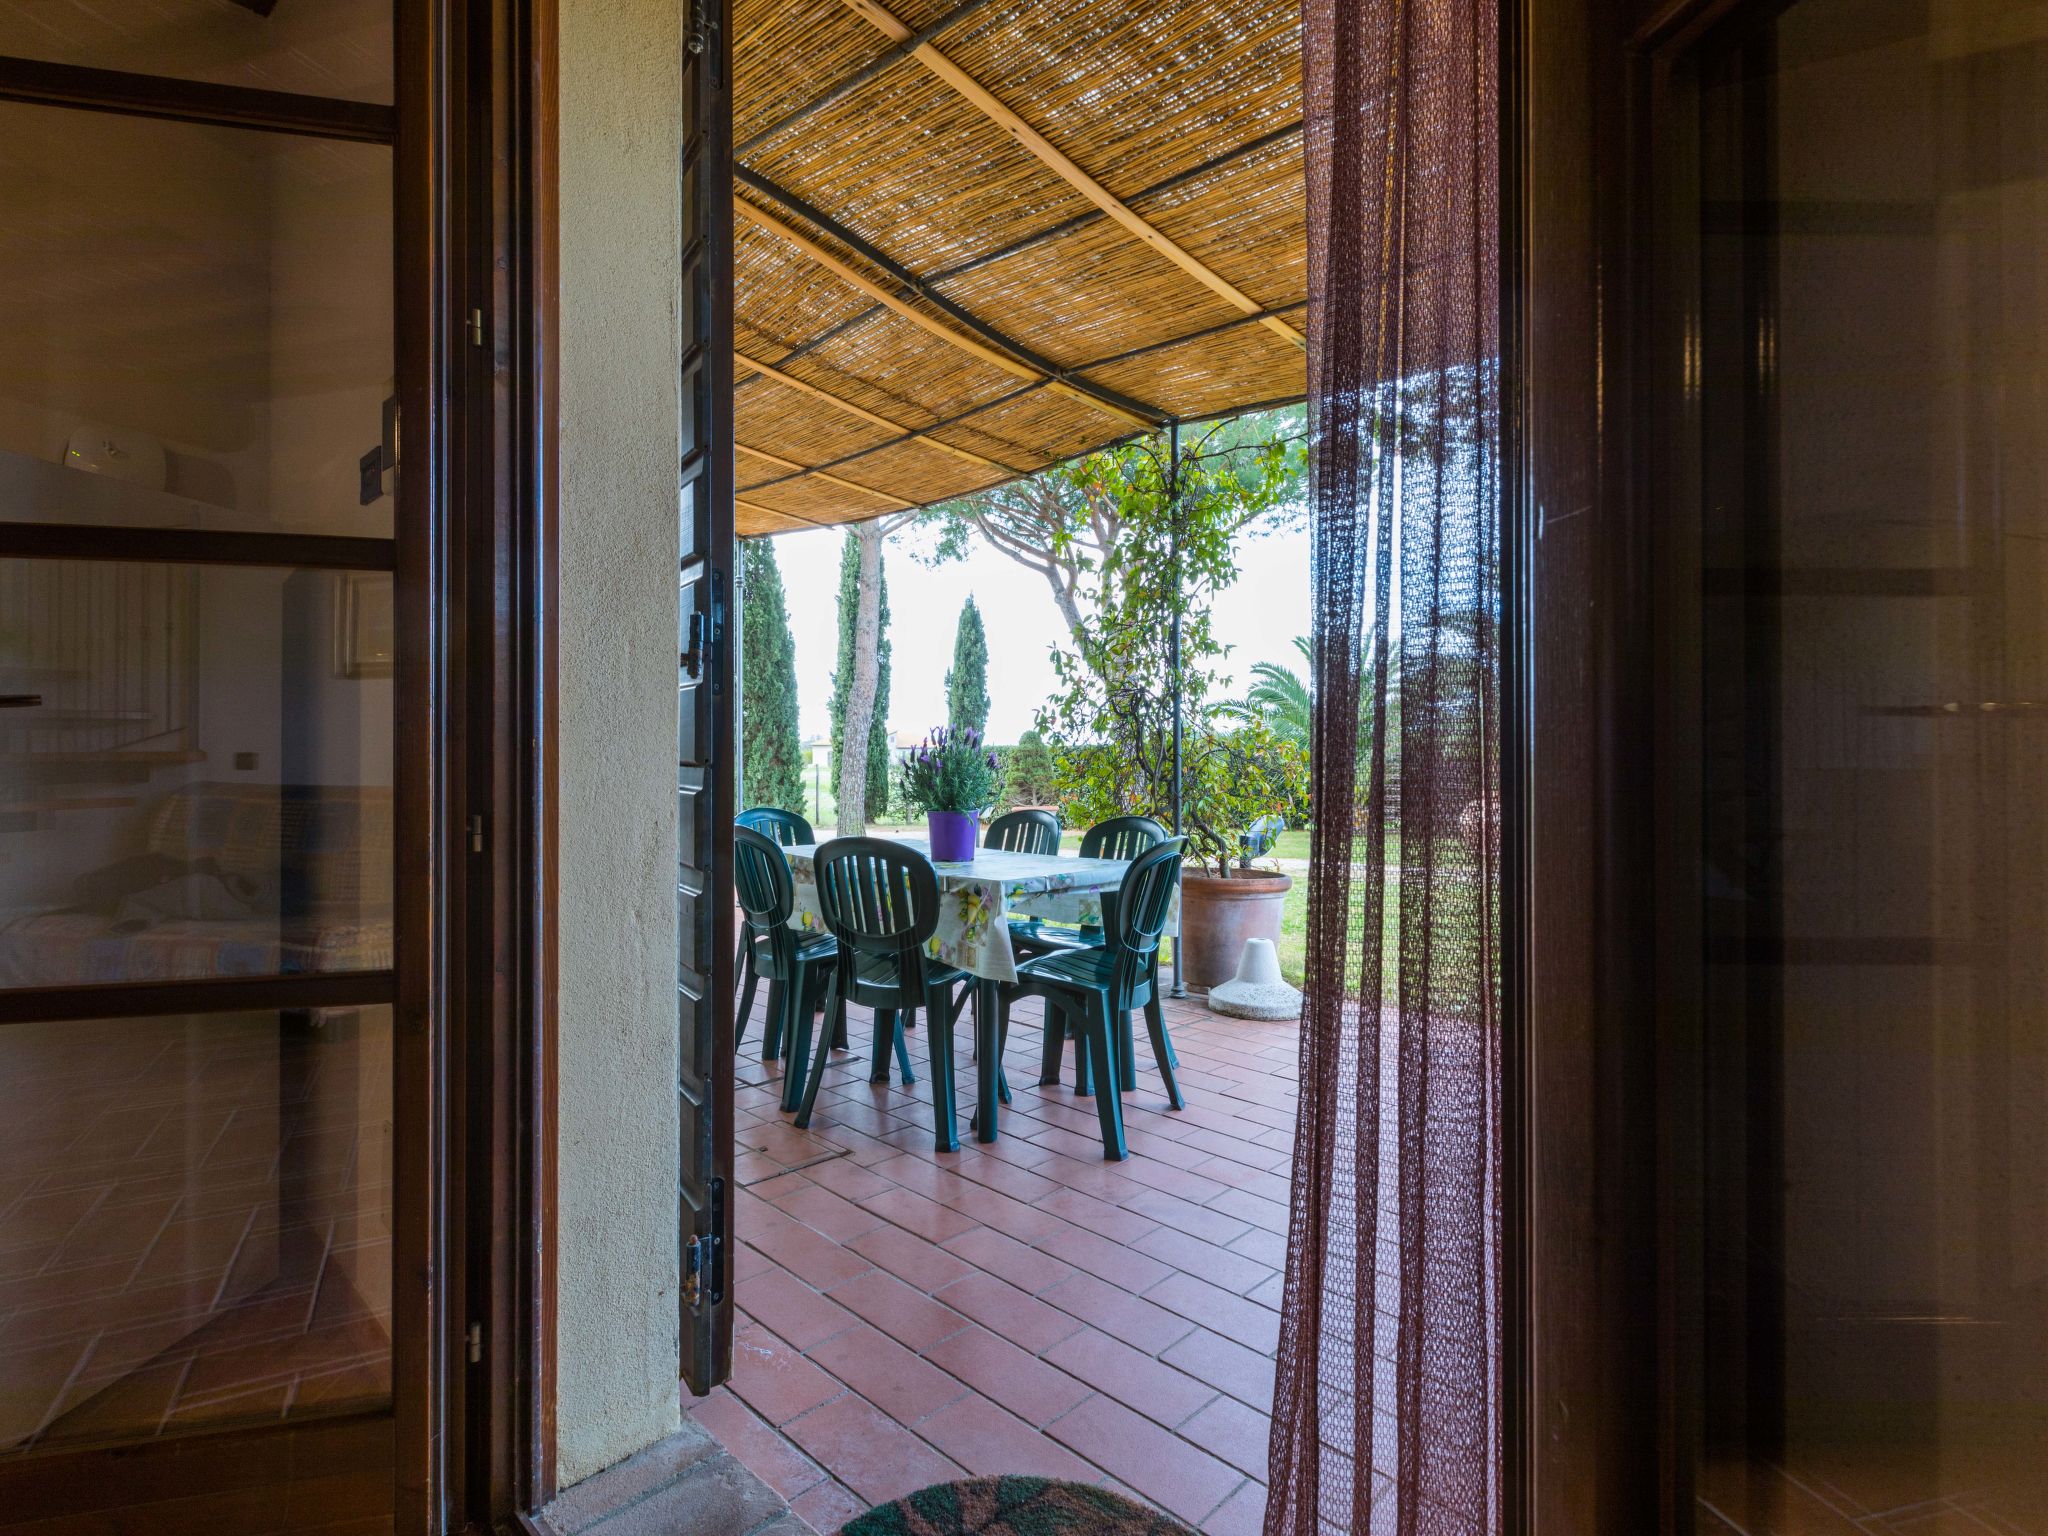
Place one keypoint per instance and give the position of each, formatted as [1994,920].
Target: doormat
[1013,1506]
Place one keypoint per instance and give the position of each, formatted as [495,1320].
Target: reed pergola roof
[973,238]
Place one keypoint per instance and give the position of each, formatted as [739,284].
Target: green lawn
[1294,932]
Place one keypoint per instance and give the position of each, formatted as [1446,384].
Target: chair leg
[1126,1053]
[907,1019]
[749,979]
[1162,1049]
[840,1042]
[945,1117]
[794,1028]
[1109,1104]
[1051,1050]
[823,1059]
[885,1033]
[1172,1060]
[771,1031]
[1084,1065]
[777,1032]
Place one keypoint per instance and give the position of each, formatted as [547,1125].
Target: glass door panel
[197,318]
[1873,876]
[195,773]
[198,674]
[335,48]
[195,1223]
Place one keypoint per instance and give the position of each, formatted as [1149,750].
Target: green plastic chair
[1024,832]
[1098,985]
[1120,837]
[789,830]
[796,964]
[880,901]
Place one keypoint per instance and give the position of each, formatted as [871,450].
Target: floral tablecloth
[978,899]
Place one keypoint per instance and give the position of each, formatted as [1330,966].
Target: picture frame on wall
[365,630]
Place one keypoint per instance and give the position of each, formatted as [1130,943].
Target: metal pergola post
[1173,648]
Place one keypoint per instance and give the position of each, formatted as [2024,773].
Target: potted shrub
[1232,782]
[952,777]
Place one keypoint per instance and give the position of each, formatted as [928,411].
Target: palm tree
[1278,698]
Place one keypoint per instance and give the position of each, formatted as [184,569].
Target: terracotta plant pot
[1218,915]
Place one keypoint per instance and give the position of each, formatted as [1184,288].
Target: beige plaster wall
[620,129]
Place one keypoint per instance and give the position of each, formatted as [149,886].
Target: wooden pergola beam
[999,355]
[978,95]
[826,475]
[1143,195]
[768,370]
[787,517]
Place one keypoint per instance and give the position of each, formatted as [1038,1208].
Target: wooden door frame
[429,316]
[1579,822]
[500,1425]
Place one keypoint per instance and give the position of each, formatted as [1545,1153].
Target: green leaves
[952,769]
[1110,726]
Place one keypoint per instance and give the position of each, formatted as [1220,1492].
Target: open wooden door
[219,1104]
[704,914]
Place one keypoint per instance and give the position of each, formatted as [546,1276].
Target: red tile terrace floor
[906,1317]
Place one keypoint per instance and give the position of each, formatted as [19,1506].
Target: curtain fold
[1387,1410]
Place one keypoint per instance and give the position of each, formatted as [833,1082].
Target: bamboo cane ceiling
[973,238]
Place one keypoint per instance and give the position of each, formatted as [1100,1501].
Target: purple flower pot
[952,836]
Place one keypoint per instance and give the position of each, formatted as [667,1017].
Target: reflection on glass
[197,326]
[195,1223]
[1875,883]
[195,771]
[312,47]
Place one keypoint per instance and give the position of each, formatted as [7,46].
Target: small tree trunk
[1063,599]
[860,696]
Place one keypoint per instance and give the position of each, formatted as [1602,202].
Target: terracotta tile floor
[906,1317]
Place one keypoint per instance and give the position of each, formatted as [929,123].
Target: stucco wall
[616,1302]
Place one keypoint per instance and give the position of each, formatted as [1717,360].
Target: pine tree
[842,669]
[967,682]
[878,730]
[860,680]
[772,746]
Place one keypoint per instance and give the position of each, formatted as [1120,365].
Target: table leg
[988,1058]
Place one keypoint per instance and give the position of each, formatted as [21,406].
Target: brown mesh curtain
[1387,1411]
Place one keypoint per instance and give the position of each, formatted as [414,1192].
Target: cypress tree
[967,682]
[772,752]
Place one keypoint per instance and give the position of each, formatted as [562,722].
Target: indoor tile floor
[905,1316]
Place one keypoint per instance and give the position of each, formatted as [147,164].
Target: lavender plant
[952,769]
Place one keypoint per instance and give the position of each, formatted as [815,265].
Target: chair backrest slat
[766,891]
[881,900]
[785,828]
[1121,837]
[1024,832]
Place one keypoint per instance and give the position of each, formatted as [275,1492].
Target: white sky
[1258,618]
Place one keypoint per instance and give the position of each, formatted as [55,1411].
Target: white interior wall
[620,130]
